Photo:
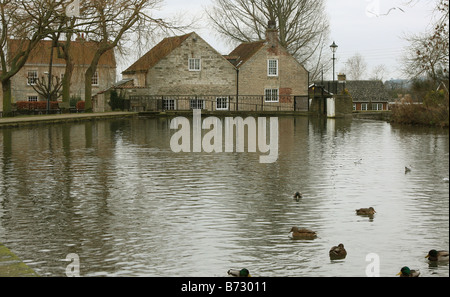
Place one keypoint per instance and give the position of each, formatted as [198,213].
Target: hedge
[33,105]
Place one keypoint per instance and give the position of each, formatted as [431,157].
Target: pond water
[115,194]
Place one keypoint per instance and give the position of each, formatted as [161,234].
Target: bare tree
[356,67]
[428,53]
[63,50]
[379,72]
[46,90]
[302,24]
[111,21]
[29,22]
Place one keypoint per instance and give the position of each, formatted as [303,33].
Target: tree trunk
[88,89]
[66,83]
[88,81]
[6,87]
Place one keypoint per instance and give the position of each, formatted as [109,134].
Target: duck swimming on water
[297,196]
[406,272]
[366,211]
[239,273]
[407,169]
[338,252]
[439,256]
[302,233]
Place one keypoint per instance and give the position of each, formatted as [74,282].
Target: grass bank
[12,266]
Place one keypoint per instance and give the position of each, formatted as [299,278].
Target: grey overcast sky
[368,27]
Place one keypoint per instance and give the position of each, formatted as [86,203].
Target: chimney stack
[272,34]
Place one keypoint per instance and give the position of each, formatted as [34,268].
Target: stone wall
[292,79]
[343,106]
[21,90]
[171,75]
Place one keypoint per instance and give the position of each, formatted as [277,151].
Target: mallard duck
[435,255]
[407,169]
[302,233]
[338,252]
[298,195]
[239,273]
[366,211]
[406,272]
[358,162]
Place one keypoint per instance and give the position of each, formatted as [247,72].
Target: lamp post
[334,48]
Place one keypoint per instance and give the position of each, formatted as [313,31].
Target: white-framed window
[197,104]
[364,106]
[354,106]
[32,77]
[169,104]
[32,98]
[194,64]
[377,106]
[95,79]
[272,67]
[222,103]
[271,95]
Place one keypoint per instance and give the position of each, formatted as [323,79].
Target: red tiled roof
[82,53]
[156,54]
[244,52]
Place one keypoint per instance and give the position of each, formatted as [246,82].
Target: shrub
[117,102]
[418,114]
[435,99]
[80,105]
[74,100]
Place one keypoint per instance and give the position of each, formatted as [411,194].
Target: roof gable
[244,52]
[156,54]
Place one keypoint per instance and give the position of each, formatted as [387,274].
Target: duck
[407,272]
[407,169]
[298,195]
[358,162]
[239,273]
[302,233]
[435,255]
[366,211]
[338,252]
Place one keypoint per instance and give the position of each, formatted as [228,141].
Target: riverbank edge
[15,122]
[12,266]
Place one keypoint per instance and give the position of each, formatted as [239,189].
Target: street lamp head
[333,47]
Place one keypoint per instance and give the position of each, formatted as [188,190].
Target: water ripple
[130,207]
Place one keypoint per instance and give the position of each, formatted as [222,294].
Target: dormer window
[194,64]
[272,67]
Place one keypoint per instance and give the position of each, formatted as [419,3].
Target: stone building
[38,62]
[367,95]
[185,72]
[269,74]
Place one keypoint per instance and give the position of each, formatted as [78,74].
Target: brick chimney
[342,77]
[272,34]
